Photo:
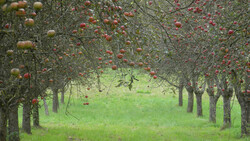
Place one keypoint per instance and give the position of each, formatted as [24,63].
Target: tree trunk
[36,116]
[212,109]
[190,102]
[13,124]
[227,111]
[3,125]
[213,98]
[199,104]
[55,100]
[46,107]
[26,117]
[62,96]
[245,118]
[244,101]
[181,95]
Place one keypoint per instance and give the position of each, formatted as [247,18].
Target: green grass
[143,114]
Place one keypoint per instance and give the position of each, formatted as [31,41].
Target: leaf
[121,82]
[130,86]
[135,78]
[119,85]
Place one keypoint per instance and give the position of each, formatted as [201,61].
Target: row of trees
[205,44]
[192,44]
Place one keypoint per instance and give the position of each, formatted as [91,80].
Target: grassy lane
[143,114]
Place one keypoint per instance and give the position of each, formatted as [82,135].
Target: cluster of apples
[35,101]
[25,44]
[86,103]
[19,7]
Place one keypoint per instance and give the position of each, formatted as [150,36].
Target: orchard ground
[146,113]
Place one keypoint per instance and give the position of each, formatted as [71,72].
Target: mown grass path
[143,114]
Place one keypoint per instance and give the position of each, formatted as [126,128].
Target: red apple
[140,64]
[108,38]
[154,76]
[29,22]
[21,12]
[115,22]
[94,22]
[131,14]
[7,26]
[83,25]
[27,75]
[35,101]
[138,49]
[122,51]
[119,56]
[152,73]
[14,6]
[33,14]
[230,32]
[128,43]
[126,13]
[114,67]
[22,4]
[178,24]
[106,21]
[132,63]
[91,19]
[87,3]
[123,27]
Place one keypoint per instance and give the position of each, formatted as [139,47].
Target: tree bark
[213,99]
[46,107]
[36,122]
[227,111]
[245,119]
[62,96]
[212,109]
[181,95]
[13,124]
[55,105]
[3,124]
[244,101]
[190,102]
[26,117]
[199,104]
